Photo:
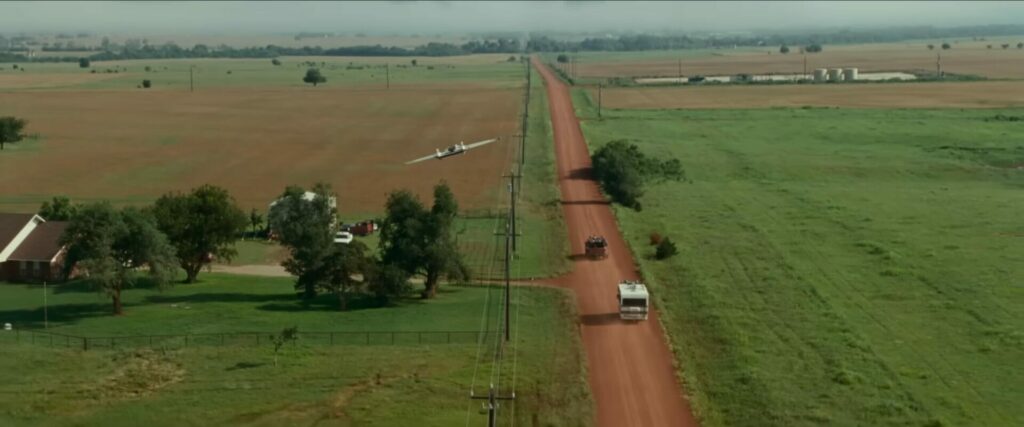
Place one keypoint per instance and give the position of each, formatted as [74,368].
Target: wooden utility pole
[191,78]
[492,404]
[938,65]
[387,75]
[805,65]
[680,69]
[599,100]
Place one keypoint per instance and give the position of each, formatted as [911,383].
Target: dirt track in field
[630,367]
[133,146]
[867,95]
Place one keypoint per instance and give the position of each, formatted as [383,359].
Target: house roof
[43,244]
[10,225]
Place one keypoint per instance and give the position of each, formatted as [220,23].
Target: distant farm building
[30,249]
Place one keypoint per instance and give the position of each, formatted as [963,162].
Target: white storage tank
[850,74]
[819,74]
[835,74]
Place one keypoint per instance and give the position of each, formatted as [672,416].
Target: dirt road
[630,366]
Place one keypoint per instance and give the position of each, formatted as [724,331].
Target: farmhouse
[30,249]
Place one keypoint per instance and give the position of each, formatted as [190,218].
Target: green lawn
[837,266]
[385,385]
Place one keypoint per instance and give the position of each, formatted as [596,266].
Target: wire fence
[58,340]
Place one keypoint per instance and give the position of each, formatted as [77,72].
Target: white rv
[633,300]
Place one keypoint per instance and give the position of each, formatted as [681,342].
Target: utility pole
[805,65]
[46,316]
[599,100]
[492,404]
[387,75]
[680,69]
[938,65]
[191,78]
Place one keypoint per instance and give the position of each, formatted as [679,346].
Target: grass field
[837,267]
[324,385]
[965,57]
[888,95]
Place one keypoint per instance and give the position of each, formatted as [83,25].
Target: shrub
[655,239]
[275,61]
[83,63]
[147,84]
[665,249]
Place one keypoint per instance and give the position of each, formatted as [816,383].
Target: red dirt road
[630,366]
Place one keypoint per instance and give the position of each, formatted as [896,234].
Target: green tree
[1005,46]
[305,226]
[814,48]
[622,170]
[147,84]
[422,242]
[945,46]
[83,63]
[1020,45]
[784,49]
[314,77]
[563,58]
[59,208]
[275,61]
[665,249]
[111,246]
[388,283]
[931,47]
[255,219]
[340,265]
[202,225]
[287,335]
[10,130]
[414,62]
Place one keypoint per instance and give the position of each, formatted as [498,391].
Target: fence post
[186,340]
[257,339]
[392,337]
[85,343]
[419,338]
[367,338]
[332,338]
[221,340]
[449,337]
[150,340]
[111,343]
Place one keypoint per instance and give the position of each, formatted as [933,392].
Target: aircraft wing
[428,157]
[480,144]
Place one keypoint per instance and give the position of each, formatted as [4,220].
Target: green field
[349,384]
[837,266]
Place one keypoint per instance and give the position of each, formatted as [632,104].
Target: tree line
[116,248]
[136,49]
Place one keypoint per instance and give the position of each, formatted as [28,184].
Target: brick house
[30,249]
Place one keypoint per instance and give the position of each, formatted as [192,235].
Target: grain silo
[819,75]
[850,74]
[835,74]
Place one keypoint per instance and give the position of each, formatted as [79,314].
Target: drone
[453,150]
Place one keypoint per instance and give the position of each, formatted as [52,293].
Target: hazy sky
[450,16]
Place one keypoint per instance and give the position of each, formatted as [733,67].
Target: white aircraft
[453,150]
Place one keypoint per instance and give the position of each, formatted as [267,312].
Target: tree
[111,246]
[784,49]
[202,225]
[388,283]
[931,47]
[988,46]
[1005,45]
[945,46]
[814,48]
[622,170]
[305,226]
[147,84]
[83,63]
[275,61]
[287,335]
[1020,45]
[414,63]
[419,241]
[665,249]
[563,58]
[10,130]
[340,265]
[59,209]
[256,220]
[314,77]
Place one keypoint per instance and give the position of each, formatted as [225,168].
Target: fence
[51,339]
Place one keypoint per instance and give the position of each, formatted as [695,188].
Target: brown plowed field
[972,59]
[630,367]
[132,146]
[866,95]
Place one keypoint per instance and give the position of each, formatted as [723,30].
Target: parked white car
[343,237]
